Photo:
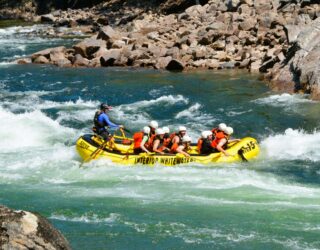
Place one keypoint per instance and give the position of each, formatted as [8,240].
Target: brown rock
[40,60]
[248,24]
[88,47]
[79,61]
[46,52]
[162,62]
[110,57]
[106,33]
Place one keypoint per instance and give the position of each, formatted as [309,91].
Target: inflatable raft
[120,151]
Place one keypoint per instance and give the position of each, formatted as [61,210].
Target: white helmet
[222,126]
[166,130]
[154,124]
[182,128]
[228,130]
[146,130]
[159,131]
[206,133]
[186,138]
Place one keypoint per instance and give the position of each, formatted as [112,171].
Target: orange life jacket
[218,137]
[137,139]
[175,145]
[199,145]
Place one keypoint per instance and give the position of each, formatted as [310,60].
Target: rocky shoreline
[279,38]
[25,230]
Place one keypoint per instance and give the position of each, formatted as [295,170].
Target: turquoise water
[270,203]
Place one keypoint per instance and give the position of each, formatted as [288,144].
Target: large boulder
[46,52]
[21,230]
[106,33]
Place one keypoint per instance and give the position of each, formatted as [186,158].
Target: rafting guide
[102,122]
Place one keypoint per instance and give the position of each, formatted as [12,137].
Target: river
[272,202]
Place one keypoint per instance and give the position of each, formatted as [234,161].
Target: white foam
[87,218]
[31,129]
[283,100]
[293,145]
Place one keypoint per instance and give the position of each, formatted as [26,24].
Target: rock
[175,65]
[216,26]
[25,230]
[40,60]
[255,66]
[110,57]
[292,32]
[88,47]
[118,44]
[248,24]
[24,61]
[79,61]
[162,62]
[233,5]
[46,52]
[106,33]
[49,18]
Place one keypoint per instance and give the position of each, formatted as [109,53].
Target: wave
[293,145]
[283,100]
[87,218]
[30,129]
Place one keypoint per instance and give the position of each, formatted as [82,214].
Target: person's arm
[144,141]
[106,119]
[234,140]
[180,150]
[220,145]
[155,147]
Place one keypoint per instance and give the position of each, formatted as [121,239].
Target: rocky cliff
[25,230]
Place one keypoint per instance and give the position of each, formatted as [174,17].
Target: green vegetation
[15,22]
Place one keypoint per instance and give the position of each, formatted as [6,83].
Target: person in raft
[218,143]
[153,125]
[157,145]
[177,139]
[185,146]
[102,122]
[140,141]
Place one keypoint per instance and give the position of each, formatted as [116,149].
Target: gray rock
[24,230]
[292,32]
[175,65]
[46,52]
[162,62]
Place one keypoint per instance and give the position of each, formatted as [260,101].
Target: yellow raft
[120,151]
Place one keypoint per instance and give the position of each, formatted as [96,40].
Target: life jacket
[152,136]
[206,146]
[174,146]
[98,125]
[137,139]
[218,137]
[199,145]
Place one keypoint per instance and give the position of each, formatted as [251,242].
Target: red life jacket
[137,139]
[218,137]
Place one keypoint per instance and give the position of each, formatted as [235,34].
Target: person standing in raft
[185,146]
[102,122]
[140,141]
